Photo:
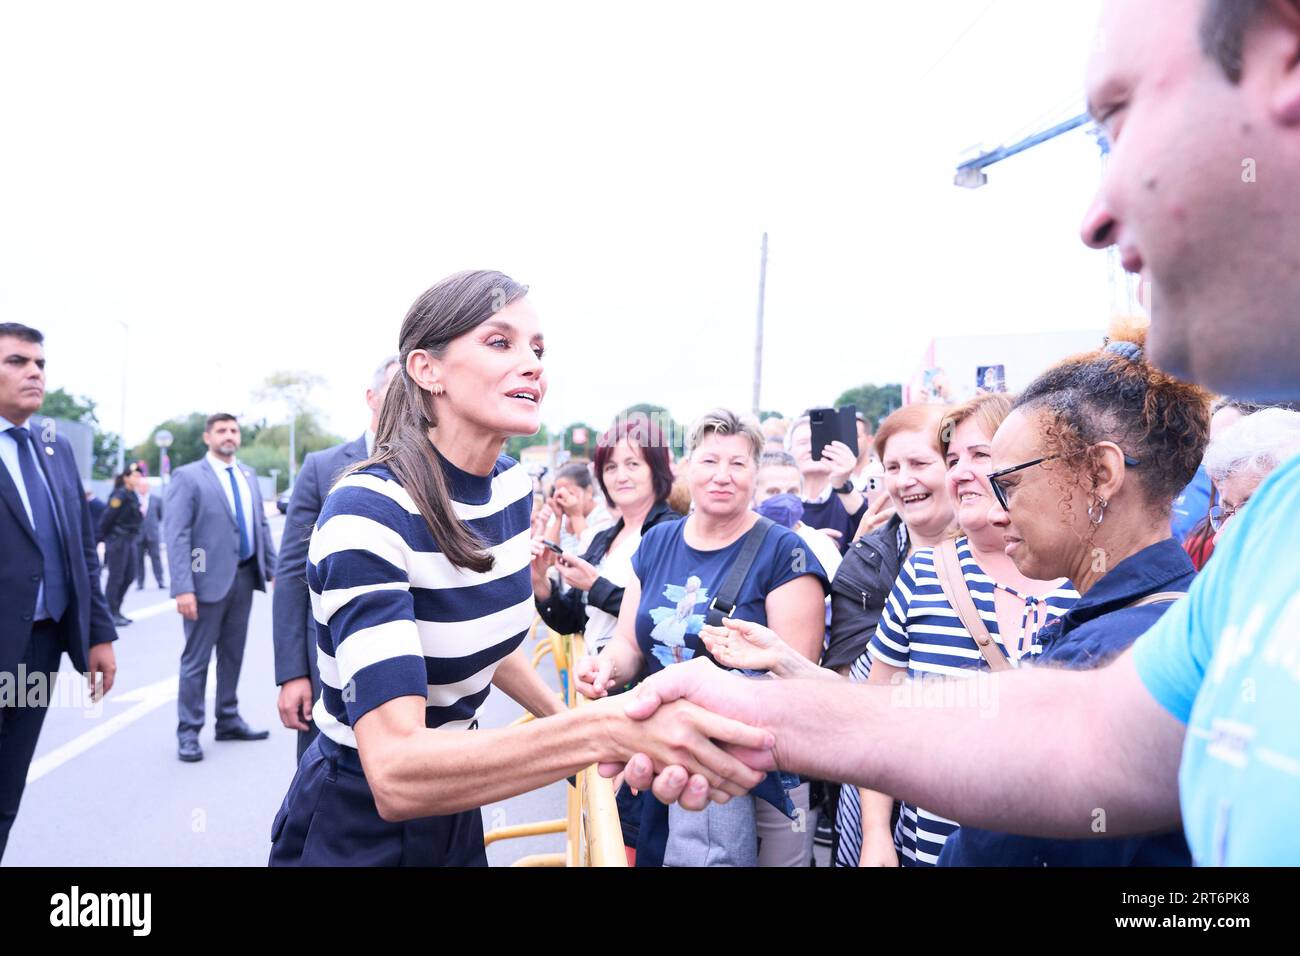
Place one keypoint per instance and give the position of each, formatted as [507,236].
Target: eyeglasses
[1000,491]
[1219,515]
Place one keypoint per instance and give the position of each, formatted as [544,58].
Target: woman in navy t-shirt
[680,567]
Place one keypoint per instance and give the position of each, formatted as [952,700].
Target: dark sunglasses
[1000,492]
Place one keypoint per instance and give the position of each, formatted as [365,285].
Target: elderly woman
[1087,466]
[1242,457]
[923,630]
[634,472]
[680,573]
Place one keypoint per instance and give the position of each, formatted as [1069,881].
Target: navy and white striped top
[921,633]
[394,618]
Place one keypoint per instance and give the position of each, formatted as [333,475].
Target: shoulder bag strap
[724,601]
[947,567]
[1163,597]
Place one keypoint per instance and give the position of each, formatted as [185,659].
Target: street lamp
[163,439]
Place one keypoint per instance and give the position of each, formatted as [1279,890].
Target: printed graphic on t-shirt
[673,623]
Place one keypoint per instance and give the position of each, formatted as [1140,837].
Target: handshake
[690,734]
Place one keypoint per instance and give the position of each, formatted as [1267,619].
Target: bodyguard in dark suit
[219,548]
[293,627]
[151,510]
[49,568]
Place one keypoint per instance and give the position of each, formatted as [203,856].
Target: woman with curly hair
[1087,466]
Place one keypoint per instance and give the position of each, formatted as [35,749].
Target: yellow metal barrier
[591,825]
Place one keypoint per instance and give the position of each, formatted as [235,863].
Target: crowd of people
[1056,627]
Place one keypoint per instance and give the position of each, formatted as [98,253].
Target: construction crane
[971,175]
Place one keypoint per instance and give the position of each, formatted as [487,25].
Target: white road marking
[146,699]
[153,610]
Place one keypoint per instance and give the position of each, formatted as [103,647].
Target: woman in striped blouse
[418,569]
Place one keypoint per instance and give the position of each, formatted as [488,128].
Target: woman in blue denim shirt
[1086,469]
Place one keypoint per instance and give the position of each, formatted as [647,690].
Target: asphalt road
[106,788]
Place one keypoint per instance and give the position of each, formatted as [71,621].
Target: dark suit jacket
[151,529]
[86,621]
[291,617]
[199,527]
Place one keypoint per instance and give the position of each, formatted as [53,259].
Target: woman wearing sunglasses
[1087,466]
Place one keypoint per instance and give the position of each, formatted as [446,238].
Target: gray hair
[723,421]
[1259,442]
[380,378]
[789,432]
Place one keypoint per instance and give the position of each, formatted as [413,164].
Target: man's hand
[102,670]
[576,572]
[691,748]
[715,690]
[295,703]
[188,606]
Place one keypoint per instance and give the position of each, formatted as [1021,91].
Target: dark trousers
[305,737]
[222,625]
[329,818]
[120,557]
[149,546]
[20,726]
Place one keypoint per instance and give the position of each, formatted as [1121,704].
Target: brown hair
[989,410]
[219,417]
[1223,32]
[919,417]
[1112,394]
[455,306]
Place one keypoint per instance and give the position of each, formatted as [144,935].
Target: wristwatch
[846,488]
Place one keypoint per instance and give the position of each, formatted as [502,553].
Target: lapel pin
[49,451]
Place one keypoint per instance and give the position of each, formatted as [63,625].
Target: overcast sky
[253,187]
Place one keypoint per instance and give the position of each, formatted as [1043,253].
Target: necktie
[47,529]
[245,544]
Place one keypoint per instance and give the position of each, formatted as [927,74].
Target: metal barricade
[593,836]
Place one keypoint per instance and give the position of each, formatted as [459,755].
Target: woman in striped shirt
[921,634]
[418,569]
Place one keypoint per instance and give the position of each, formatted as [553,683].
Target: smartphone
[553,546]
[833,424]
[873,483]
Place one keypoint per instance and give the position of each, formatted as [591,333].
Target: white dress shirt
[9,451]
[245,495]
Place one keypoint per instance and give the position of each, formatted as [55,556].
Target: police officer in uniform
[119,529]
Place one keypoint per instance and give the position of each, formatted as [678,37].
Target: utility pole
[758,337]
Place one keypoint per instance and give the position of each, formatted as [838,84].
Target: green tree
[60,404]
[673,433]
[515,446]
[187,442]
[873,401]
[765,415]
[584,450]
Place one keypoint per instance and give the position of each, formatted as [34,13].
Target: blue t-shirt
[1191,505]
[677,584]
[1226,662]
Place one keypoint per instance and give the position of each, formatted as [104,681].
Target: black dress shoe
[189,750]
[120,620]
[242,731]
